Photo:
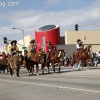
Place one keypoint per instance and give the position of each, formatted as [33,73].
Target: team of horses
[44,60]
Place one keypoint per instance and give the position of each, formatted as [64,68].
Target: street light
[23,38]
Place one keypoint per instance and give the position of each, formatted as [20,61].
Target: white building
[27,40]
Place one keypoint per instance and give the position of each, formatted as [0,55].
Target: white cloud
[31,20]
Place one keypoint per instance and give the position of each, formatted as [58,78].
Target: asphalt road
[68,85]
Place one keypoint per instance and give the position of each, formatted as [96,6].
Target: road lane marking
[61,87]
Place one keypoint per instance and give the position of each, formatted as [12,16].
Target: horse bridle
[88,51]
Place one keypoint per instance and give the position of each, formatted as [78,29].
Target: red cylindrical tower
[47,33]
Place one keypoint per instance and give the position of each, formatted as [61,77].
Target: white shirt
[77,45]
[99,55]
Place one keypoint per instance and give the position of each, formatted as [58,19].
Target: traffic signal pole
[16,43]
[5,41]
[76,26]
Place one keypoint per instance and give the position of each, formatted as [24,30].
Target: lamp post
[6,48]
[23,38]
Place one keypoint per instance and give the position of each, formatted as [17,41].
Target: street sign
[24,47]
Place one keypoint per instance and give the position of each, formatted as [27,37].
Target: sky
[29,15]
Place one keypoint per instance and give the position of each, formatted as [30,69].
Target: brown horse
[34,59]
[82,56]
[56,58]
[14,64]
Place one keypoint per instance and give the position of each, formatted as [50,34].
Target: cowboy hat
[78,40]
[32,41]
[13,42]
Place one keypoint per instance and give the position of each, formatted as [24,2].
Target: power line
[16,43]
[88,25]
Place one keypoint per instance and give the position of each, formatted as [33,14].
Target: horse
[56,57]
[34,59]
[14,63]
[82,56]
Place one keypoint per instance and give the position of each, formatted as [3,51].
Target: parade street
[68,85]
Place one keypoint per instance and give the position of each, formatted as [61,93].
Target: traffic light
[76,27]
[5,40]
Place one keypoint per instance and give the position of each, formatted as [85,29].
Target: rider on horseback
[31,47]
[79,44]
[50,49]
[13,48]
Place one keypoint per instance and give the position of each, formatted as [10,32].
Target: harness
[79,53]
